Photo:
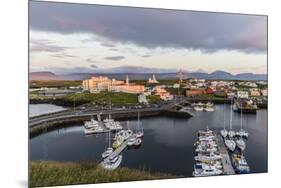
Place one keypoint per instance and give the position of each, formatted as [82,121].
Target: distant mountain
[135,75]
[43,76]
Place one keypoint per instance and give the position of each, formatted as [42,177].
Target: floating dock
[226,162]
[117,151]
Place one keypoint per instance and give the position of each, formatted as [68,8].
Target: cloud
[152,28]
[108,45]
[115,58]
[93,66]
[44,45]
[63,55]
[145,56]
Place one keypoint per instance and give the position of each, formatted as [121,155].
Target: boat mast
[224,116]
[230,114]
[241,116]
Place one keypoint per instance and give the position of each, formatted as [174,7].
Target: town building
[97,84]
[194,92]
[243,94]
[152,80]
[210,90]
[255,92]
[162,93]
[142,98]
[264,92]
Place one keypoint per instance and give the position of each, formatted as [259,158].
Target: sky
[78,38]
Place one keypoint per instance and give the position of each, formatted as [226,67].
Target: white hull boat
[230,144]
[206,171]
[224,133]
[201,157]
[241,144]
[198,108]
[112,163]
[231,133]
[107,153]
[209,109]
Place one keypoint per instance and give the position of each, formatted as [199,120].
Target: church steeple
[127,80]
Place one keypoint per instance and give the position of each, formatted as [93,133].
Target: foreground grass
[49,173]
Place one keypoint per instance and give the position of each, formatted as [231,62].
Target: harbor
[164,136]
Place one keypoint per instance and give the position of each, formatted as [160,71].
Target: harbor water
[39,109]
[167,146]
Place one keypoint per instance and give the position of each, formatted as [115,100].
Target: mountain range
[217,75]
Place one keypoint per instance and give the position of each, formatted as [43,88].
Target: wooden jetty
[226,162]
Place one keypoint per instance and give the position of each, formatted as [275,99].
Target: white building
[243,94]
[142,99]
[152,80]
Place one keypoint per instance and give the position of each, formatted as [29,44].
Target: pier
[117,151]
[226,162]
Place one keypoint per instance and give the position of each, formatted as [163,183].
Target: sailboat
[112,163]
[242,132]
[240,142]
[109,150]
[229,142]
[139,133]
[224,132]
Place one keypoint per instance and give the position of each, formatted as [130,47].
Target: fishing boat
[224,132]
[109,149]
[112,163]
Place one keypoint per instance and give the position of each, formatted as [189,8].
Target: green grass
[50,173]
[104,97]
[153,99]
[54,83]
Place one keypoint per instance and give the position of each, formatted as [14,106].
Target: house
[194,92]
[243,94]
[210,90]
[142,99]
[230,95]
[220,93]
[264,92]
[255,92]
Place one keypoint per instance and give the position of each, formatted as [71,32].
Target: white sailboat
[229,142]
[109,150]
[224,132]
[242,132]
[112,163]
[139,133]
[240,142]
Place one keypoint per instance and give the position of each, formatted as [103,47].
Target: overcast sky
[67,38]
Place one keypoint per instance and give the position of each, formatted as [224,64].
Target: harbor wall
[40,128]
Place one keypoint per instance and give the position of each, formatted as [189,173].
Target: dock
[117,151]
[226,162]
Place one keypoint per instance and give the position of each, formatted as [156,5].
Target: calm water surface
[167,145]
[39,109]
